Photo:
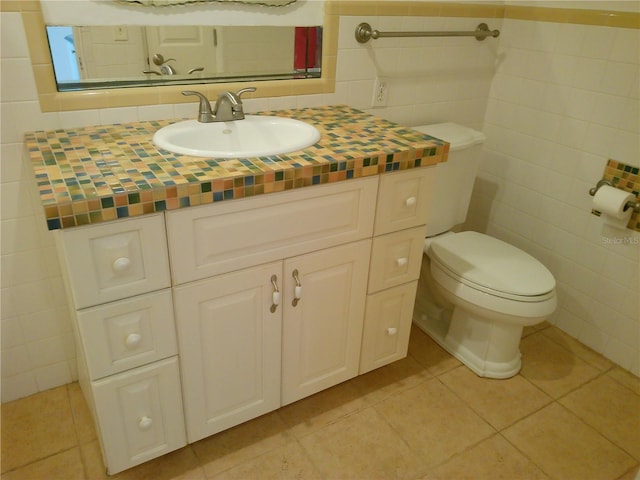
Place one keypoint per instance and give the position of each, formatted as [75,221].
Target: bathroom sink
[255,136]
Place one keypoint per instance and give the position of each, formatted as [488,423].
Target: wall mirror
[117,56]
[36,15]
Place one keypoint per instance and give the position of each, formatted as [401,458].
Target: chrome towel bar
[364,32]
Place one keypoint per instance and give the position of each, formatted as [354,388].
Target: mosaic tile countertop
[98,174]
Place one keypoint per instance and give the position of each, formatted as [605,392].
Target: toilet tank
[454,178]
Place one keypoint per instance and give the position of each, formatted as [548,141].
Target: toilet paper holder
[630,204]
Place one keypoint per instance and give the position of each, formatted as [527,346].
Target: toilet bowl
[491,290]
[475,293]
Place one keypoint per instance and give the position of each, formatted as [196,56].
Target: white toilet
[476,293]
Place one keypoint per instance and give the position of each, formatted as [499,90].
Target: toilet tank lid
[457,135]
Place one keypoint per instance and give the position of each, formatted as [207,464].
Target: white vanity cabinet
[262,337]
[117,277]
[401,217]
[201,318]
[253,335]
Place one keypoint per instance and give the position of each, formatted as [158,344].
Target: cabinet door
[230,341]
[140,414]
[322,330]
[387,325]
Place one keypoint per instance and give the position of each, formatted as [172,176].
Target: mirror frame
[51,100]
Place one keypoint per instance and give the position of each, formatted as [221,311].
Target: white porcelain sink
[255,136]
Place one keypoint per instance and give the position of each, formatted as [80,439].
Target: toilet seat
[492,266]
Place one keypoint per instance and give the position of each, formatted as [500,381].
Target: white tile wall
[532,188]
[429,79]
[564,99]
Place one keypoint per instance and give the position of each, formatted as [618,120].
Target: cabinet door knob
[145,423]
[133,340]
[402,261]
[392,331]
[410,202]
[121,265]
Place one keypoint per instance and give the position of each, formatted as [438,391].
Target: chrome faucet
[228,106]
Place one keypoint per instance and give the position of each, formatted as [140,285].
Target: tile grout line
[593,427]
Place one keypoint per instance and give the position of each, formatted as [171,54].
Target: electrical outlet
[380,93]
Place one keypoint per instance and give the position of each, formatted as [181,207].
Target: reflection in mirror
[97,57]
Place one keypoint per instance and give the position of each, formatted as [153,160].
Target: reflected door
[191,47]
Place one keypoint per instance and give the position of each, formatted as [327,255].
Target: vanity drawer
[396,258]
[403,199]
[227,236]
[115,260]
[387,326]
[122,335]
[140,414]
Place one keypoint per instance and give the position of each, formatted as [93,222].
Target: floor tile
[492,459]
[632,474]
[283,463]
[528,330]
[82,418]
[610,408]
[181,464]
[551,367]
[499,402]
[92,458]
[314,412]
[566,448]
[241,443]
[66,465]
[434,421]
[178,465]
[395,377]
[429,354]
[48,419]
[425,417]
[362,446]
[625,378]
[580,350]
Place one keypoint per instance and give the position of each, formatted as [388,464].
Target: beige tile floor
[570,414]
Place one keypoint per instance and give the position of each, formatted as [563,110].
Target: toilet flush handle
[410,202]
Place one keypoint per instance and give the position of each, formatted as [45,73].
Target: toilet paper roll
[610,202]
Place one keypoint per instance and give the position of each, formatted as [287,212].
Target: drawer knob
[121,265]
[402,261]
[410,202]
[392,331]
[133,340]
[145,423]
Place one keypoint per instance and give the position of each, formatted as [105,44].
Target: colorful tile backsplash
[96,174]
[627,178]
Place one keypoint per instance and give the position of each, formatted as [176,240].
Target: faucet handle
[204,111]
[244,90]
[236,107]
